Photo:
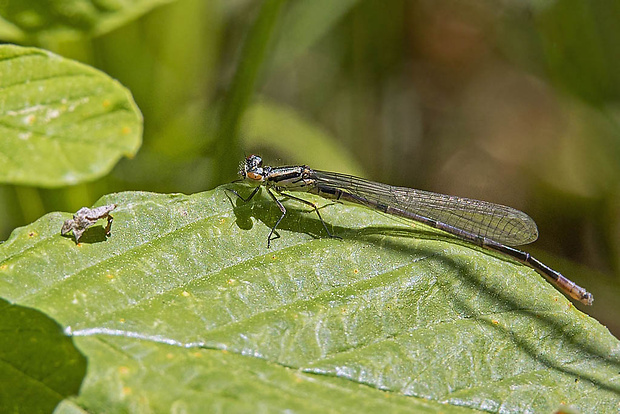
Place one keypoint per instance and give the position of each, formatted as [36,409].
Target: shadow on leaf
[40,364]
[92,235]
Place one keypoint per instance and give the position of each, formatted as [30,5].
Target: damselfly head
[252,168]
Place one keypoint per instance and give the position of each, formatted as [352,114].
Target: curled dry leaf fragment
[86,217]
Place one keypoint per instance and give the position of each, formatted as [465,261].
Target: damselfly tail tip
[587,299]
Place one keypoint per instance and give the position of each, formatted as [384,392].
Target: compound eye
[253,161]
[254,176]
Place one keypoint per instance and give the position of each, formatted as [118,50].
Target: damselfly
[484,224]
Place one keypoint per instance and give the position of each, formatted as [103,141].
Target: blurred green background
[507,101]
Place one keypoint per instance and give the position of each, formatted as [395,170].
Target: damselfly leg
[273,234]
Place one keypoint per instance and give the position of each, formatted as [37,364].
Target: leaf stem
[252,57]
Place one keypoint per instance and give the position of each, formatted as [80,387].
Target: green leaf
[29,20]
[183,307]
[39,365]
[62,122]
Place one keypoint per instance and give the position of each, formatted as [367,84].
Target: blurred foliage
[36,21]
[512,102]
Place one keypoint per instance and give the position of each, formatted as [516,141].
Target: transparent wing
[500,223]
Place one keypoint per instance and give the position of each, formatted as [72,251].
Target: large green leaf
[183,307]
[35,20]
[61,122]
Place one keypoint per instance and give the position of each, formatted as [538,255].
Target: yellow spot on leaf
[185,293]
